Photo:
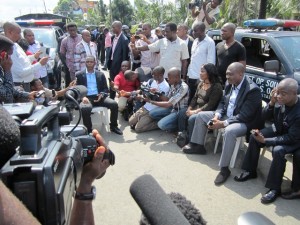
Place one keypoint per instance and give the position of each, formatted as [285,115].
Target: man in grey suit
[238,112]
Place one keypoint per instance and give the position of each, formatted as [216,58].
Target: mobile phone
[254,132]
[40,93]
[137,37]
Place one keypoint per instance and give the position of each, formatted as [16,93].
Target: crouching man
[140,120]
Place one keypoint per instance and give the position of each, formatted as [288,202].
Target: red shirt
[124,84]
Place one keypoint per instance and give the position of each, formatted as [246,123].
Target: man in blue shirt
[96,84]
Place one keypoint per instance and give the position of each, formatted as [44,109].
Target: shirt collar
[86,71]
[240,84]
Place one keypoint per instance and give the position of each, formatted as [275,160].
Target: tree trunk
[263,9]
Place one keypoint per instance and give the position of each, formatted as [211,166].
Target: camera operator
[82,211]
[208,13]
[140,121]
[8,93]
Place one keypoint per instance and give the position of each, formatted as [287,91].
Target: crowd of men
[173,80]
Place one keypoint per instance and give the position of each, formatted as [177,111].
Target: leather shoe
[244,176]
[270,196]
[192,148]
[116,130]
[291,195]
[222,177]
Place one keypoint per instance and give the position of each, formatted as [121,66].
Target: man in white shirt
[173,50]
[208,14]
[140,120]
[34,47]
[22,69]
[203,51]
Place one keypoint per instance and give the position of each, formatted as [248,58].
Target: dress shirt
[22,70]
[91,83]
[42,72]
[107,40]
[114,44]
[149,59]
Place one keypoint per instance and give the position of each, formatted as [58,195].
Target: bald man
[22,69]
[83,49]
[238,112]
[119,52]
[177,98]
[283,136]
[229,50]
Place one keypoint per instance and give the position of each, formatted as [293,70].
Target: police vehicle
[271,55]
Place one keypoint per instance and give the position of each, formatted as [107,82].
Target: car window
[291,49]
[45,36]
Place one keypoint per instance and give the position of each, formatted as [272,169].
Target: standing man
[238,112]
[283,135]
[95,82]
[203,51]
[107,46]
[182,33]
[208,14]
[22,70]
[83,49]
[67,50]
[173,51]
[34,47]
[119,52]
[229,50]
[148,59]
[167,112]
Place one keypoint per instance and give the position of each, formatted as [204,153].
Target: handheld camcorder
[145,89]
[196,3]
[47,166]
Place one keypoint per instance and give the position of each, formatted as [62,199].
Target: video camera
[45,171]
[195,3]
[145,89]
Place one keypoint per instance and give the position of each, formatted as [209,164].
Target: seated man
[123,86]
[283,135]
[8,92]
[238,112]
[167,112]
[140,120]
[96,84]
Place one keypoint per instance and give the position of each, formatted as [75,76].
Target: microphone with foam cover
[156,205]
[9,136]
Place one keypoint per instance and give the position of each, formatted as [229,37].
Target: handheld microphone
[155,203]
[77,92]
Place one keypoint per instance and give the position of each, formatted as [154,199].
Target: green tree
[64,7]
[122,10]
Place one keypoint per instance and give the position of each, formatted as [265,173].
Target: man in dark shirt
[229,50]
[283,136]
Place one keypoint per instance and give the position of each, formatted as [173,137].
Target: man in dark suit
[118,53]
[95,82]
[238,112]
[283,135]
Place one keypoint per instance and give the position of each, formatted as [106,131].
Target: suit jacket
[248,105]
[190,44]
[100,79]
[121,53]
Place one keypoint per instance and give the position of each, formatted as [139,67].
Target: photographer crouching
[205,11]
[82,211]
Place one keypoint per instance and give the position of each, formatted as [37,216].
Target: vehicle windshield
[290,46]
[47,37]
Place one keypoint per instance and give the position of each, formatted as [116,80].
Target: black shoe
[132,127]
[222,177]
[244,176]
[270,196]
[192,148]
[116,130]
[291,195]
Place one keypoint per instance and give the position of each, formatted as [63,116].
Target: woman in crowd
[206,98]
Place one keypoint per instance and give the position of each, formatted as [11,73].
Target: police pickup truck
[271,56]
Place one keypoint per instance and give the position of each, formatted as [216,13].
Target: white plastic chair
[104,116]
[239,141]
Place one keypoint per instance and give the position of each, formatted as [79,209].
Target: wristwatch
[86,196]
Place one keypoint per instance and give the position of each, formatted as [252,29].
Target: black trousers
[192,83]
[296,171]
[278,164]
[106,102]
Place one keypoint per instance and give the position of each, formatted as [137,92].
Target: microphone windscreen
[9,136]
[156,205]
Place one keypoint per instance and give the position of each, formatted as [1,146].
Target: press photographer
[44,170]
[205,11]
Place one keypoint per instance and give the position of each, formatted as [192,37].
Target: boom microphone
[155,203]
[77,92]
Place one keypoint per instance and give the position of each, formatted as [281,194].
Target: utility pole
[111,17]
[45,6]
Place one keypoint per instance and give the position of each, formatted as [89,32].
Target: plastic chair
[104,116]
[239,141]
